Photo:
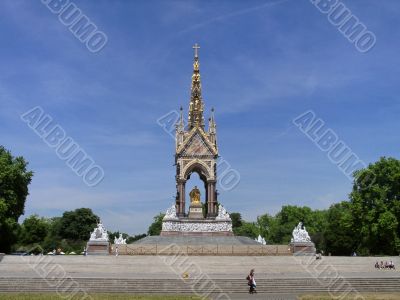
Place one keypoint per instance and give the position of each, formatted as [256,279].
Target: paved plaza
[215,277]
[214,266]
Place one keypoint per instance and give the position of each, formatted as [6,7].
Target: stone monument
[120,240]
[98,243]
[203,225]
[260,240]
[196,151]
[301,243]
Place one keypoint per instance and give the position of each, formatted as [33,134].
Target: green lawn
[53,296]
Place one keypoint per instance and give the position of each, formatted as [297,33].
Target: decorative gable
[196,145]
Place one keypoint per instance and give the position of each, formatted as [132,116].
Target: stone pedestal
[98,248]
[196,227]
[196,211]
[303,248]
[195,224]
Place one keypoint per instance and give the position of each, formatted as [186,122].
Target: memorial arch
[207,176]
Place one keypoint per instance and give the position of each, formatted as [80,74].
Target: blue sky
[262,63]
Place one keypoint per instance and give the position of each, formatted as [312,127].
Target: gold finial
[196,47]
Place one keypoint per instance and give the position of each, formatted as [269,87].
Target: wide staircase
[201,287]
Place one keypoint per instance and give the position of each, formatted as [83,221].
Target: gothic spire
[196,106]
[212,128]
[181,124]
[180,129]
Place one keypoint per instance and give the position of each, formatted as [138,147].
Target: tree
[34,230]
[14,181]
[236,220]
[77,224]
[375,202]
[242,228]
[135,238]
[248,229]
[113,235]
[340,234]
[156,226]
[71,231]
[317,228]
[278,229]
[52,240]
[266,224]
[286,219]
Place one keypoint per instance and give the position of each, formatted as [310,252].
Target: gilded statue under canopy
[194,195]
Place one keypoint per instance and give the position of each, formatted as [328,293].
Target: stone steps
[189,286]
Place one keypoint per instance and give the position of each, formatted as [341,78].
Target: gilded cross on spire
[196,47]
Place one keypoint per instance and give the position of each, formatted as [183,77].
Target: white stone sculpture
[300,234]
[170,214]
[197,226]
[260,240]
[120,240]
[99,233]
[222,214]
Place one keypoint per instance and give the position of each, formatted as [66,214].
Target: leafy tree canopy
[14,181]
[375,204]
[34,230]
[156,226]
[236,220]
[77,224]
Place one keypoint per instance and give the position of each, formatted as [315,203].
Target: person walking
[251,282]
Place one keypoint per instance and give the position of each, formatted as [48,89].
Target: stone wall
[211,250]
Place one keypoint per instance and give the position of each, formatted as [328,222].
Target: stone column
[183,198]
[208,199]
[211,198]
[181,189]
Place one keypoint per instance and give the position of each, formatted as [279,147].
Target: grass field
[53,296]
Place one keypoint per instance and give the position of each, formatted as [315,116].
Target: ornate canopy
[196,149]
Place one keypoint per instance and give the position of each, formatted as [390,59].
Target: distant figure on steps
[251,282]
